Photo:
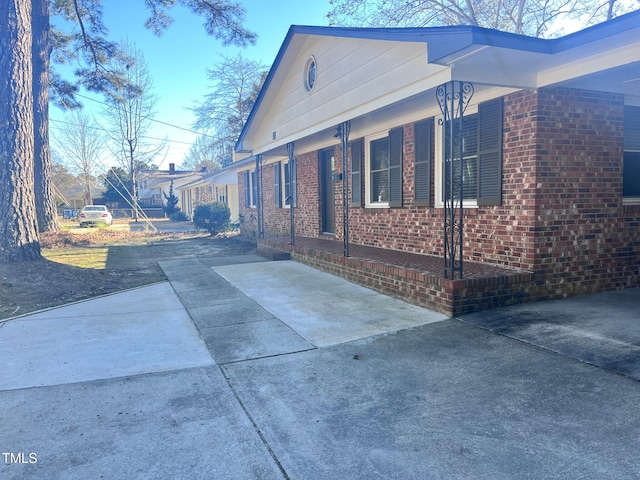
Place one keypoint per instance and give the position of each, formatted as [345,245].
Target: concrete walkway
[245,369]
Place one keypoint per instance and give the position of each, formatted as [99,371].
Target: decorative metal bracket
[453,98]
[292,190]
[259,202]
[343,134]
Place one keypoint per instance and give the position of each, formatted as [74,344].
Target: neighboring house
[225,189]
[220,186]
[196,192]
[545,135]
[153,185]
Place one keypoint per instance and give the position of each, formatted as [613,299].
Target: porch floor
[416,278]
[429,264]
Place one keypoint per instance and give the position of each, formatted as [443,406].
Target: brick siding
[561,217]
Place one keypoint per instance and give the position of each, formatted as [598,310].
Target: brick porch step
[414,278]
[273,254]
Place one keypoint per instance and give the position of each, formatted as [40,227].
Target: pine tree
[18,228]
[25,49]
[171,206]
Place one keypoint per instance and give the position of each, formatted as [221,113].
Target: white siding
[354,77]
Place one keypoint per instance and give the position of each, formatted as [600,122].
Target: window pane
[631,175]
[469,143]
[380,154]
[470,135]
[311,76]
[469,138]
[469,178]
[380,186]
[631,128]
[287,185]
[379,170]
[254,189]
[447,180]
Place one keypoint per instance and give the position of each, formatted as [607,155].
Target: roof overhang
[605,57]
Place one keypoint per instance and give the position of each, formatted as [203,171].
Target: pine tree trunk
[43,168]
[18,225]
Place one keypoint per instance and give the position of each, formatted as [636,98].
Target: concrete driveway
[245,369]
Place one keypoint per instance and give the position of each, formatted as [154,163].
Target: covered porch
[415,278]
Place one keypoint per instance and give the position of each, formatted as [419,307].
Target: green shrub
[179,217]
[212,217]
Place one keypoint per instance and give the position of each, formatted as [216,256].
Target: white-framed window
[481,148]
[383,169]
[221,193]
[277,183]
[631,166]
[283,191]
[469,159]
[287,190]
[250,188]
[378,155]
[310,71]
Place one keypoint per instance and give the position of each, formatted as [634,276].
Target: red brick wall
[561,214]
[278,216]
[307,212]
[247,215]
[584,237]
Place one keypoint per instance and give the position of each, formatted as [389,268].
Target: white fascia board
[592,64]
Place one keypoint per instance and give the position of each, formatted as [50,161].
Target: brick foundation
[479,291]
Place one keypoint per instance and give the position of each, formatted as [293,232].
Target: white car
[94,214]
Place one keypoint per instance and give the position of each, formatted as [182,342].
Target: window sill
[465,204]
[631,201]
[377,205]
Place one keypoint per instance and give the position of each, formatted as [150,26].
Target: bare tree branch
[526,17]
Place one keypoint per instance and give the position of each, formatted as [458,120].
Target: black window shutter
[278,184]
[490,118]
[247,189]
[395,167]
[356,172]
[423,156]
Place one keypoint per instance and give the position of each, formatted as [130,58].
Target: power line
[149,118]
[108,131]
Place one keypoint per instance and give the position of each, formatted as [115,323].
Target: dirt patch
[100,261]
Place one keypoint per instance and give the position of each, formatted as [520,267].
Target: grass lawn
[80,263]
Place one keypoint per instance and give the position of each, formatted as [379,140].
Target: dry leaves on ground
[101,261]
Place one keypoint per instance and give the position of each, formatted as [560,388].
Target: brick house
[539,138]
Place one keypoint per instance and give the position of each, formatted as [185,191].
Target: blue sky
[179,59]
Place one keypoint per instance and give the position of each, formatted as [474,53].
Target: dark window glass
[631,170]
[631,175]
[380,170]
[469,175]
[287,185]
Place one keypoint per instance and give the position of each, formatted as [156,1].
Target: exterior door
[327,197]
